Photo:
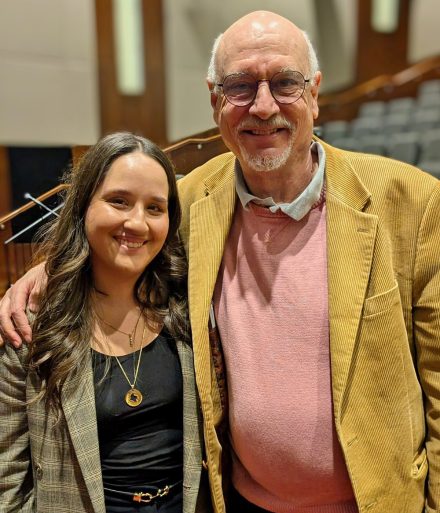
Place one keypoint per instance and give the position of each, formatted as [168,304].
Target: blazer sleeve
[426,326]
[16,481]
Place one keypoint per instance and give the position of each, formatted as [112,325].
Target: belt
[145,496]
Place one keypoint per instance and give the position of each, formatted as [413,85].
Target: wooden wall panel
[144,114]
[379,53]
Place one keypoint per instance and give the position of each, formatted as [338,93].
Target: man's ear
[214,100]
[314,91]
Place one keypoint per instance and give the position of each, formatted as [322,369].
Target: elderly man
[320,271]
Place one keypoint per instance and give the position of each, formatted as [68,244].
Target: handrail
[192,140]
[410,74]
[30,204]
[344,104]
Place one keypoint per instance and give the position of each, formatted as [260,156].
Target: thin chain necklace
[131,336]
[134,396]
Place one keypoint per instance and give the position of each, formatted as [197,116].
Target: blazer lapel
[192,431]
[351,236]
[78,403]
[210,219]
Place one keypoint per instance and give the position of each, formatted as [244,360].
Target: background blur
[59,82]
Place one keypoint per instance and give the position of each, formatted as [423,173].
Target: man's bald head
[251,27]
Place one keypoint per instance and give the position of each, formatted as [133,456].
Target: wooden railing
[345,104]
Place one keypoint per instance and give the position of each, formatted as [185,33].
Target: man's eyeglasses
[241,89]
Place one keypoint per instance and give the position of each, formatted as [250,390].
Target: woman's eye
[117,201]
[155,208]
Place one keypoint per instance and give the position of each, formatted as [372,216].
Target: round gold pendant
[133,397]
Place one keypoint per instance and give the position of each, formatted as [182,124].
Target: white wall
[424,31]
[48,81]
[48,84]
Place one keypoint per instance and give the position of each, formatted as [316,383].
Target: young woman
[99,413]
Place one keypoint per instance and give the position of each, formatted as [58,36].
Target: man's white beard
[266,163]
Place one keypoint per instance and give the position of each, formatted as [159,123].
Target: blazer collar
[210,220]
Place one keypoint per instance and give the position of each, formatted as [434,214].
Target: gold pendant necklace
[134,396]
[131,336]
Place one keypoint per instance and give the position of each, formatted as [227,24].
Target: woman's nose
[136,218]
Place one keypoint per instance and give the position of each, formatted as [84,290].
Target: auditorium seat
[398,121]
[366,126]
[430,146]
[334,130]
[404,147]
[347,143]
[429,87]
[406,129]
[426,119]
[375,144]
[372,109]
[405,104]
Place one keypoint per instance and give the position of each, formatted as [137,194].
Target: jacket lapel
[351,236]
[192,431]
[78,403]
[210,219]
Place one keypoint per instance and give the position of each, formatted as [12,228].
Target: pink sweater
[272,312]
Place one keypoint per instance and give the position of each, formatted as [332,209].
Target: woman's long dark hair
[64,324]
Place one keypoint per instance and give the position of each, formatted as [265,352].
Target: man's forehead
[270,52]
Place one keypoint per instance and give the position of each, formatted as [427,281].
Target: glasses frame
[269,81]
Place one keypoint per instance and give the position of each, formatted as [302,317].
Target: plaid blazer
[383,247]
[56,469]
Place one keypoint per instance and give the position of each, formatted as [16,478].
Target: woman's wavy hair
[63,327]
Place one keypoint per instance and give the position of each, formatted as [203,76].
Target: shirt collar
[301,205]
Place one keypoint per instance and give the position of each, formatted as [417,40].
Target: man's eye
[286,83]
[240,87]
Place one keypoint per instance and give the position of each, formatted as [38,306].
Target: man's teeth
[264,132]
[131,244]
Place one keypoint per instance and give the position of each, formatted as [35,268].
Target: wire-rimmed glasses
[286,87]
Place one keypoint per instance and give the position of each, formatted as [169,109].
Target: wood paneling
[144,114]
[379,53]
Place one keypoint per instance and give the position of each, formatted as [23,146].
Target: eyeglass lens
[286,87]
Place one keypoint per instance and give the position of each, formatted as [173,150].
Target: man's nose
[264,105]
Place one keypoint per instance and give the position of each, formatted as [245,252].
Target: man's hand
[14,324]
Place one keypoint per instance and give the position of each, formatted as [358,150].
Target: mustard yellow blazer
[383,233]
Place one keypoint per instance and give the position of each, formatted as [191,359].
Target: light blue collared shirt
[301,205]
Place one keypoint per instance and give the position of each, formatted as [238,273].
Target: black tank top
[141,446]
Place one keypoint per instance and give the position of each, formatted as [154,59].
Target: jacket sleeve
[16,481]
[426,325]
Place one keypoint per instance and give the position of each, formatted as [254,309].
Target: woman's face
[127,220]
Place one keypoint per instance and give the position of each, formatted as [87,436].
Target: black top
[140,446]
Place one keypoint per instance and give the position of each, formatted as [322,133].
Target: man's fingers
[19,298]
[8,331]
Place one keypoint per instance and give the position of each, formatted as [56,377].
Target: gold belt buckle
[148,497]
